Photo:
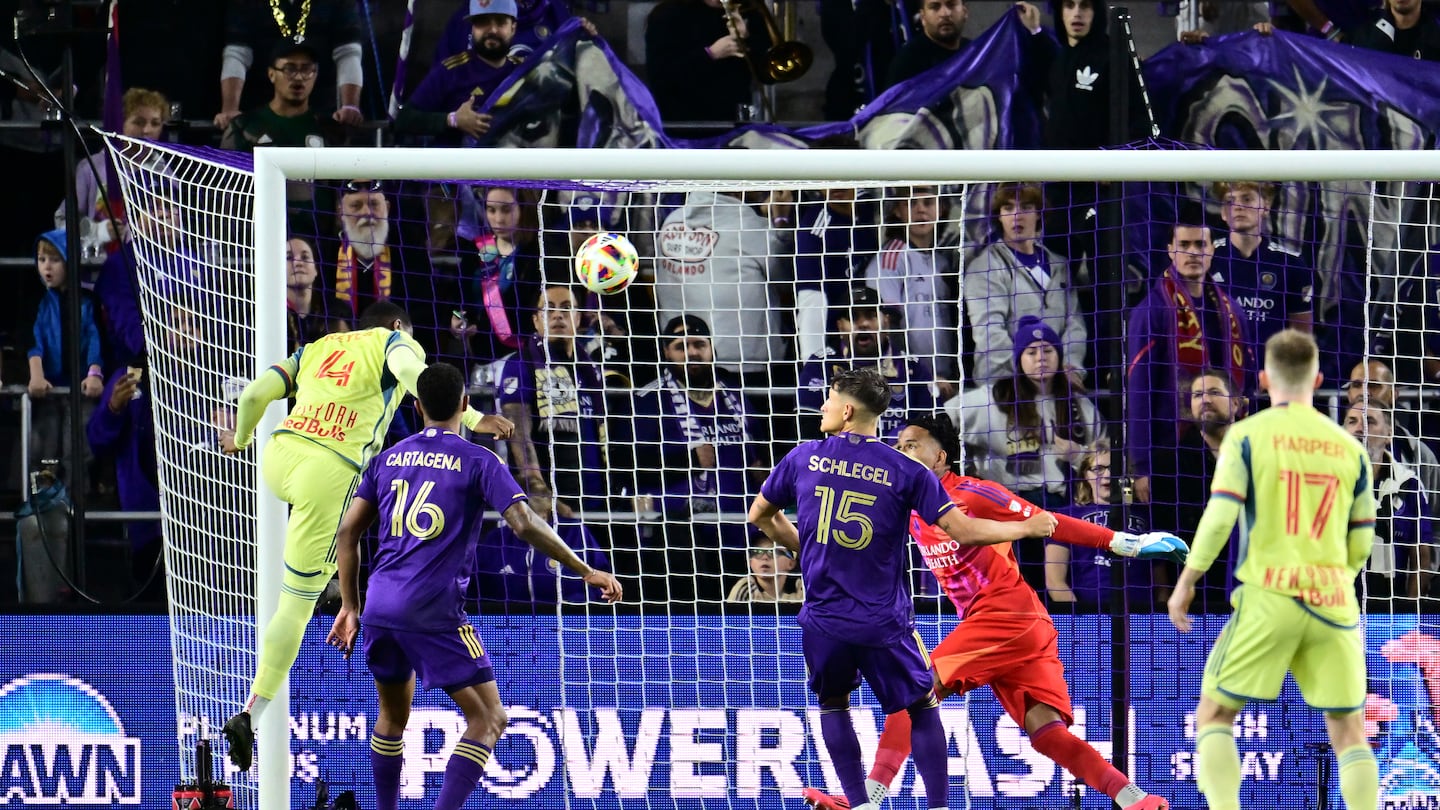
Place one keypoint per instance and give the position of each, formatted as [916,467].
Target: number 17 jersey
[1303,483]
[425,489]
[853,496]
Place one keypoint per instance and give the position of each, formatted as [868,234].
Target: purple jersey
[1091,579]
[1272,285]
[462,76]
[853,496]
[425,489]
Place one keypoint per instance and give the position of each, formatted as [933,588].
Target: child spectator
[1083,577]
[1016,276]
[769,579]
[50,358]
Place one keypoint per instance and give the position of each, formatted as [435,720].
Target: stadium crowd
[646,421]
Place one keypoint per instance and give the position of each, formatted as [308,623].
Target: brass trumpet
[785,61]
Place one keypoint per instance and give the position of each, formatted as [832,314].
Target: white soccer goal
[689,696]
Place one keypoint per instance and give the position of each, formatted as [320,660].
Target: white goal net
[1006,293]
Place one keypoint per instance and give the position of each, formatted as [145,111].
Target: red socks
[1075,755]
[893,749]
[1053,740]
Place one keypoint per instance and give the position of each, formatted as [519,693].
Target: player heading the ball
[346,388]
[424,487]
[1303,486]
[853,496]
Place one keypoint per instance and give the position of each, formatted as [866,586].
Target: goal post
[683,645]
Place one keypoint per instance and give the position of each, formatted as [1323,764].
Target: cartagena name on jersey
[64,743]
[421,458]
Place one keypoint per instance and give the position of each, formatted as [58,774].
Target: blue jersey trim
[1249,523]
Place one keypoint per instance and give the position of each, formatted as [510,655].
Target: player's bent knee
[836,702]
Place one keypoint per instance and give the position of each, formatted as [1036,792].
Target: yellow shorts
[318,486]
[1271,634]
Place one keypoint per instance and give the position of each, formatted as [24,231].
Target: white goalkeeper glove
[1150,546]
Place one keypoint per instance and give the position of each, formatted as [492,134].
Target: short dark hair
[866,386]
[542,295]
[439,388]
[381,314]
[942,430]
[1218,373]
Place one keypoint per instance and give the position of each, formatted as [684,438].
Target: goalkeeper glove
[1150,546]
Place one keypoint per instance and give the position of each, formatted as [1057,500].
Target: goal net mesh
[1090,342]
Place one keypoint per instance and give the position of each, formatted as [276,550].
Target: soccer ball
[606,263]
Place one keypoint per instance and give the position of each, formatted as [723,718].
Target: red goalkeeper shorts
[1006,641]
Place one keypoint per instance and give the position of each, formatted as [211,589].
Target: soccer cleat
[819,799]
[1150,802]
[241,740]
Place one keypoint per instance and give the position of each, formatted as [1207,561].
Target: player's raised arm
[278,382]
[968,531]
[768,518]
[347,558]
[529,527]
[405,359]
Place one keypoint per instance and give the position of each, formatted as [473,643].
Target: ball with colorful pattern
[606,263]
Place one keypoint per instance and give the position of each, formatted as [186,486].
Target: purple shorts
[899,675]
[449,660]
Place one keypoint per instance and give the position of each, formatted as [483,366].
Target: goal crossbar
[801,165]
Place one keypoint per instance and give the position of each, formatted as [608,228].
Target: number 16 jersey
[853,496]
[425,489]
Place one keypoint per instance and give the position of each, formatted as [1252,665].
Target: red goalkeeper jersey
[965,572]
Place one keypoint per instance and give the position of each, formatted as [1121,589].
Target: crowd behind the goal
[649,419]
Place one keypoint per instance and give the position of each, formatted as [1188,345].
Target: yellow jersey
[1307,508]
[345,396]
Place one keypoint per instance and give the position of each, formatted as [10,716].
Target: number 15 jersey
[853,496]
[1303,484]
[425,489]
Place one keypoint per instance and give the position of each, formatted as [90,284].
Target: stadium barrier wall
[92,721]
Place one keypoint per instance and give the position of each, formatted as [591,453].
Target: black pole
[74,350]
[1110,353]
